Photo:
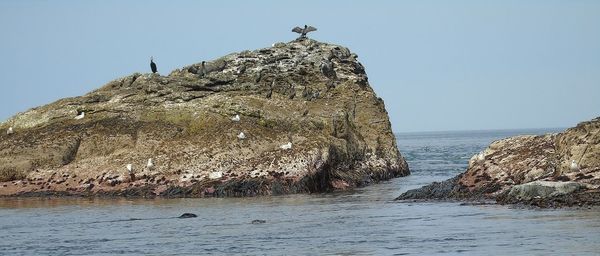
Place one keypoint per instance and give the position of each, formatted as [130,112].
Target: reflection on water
[363,222]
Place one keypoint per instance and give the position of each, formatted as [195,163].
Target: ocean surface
[364,222]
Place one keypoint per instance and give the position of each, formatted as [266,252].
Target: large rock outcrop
[531,170]
[313,97]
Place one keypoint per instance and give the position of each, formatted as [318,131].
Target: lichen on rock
[313,95]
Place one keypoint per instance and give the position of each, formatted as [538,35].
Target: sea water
[366,221]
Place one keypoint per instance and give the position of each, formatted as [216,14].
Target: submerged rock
[435,190]
[338,127]
[258,222]
[534,170]
[187,215]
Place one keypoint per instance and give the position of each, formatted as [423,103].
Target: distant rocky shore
[297,117]
[553,170]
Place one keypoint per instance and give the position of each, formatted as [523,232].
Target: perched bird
[236,118]
[241,70]
[574,167]
[241,136]
[80,115]
[153,65]
[270,92]
[327,69]
[303,31]
[480,157]
[215,175]
[131,173]
[286,146]
[9,131]
[203,70]
[150,165]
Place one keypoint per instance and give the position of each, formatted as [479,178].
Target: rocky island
[297,117]
[550,170]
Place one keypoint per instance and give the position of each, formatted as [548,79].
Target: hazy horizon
[439,66]
[485,130]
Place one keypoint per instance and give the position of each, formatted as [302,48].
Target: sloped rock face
[313,95]
[531,170]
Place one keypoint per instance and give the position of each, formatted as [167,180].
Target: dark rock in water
[258,222]
[436,190]
[187,215]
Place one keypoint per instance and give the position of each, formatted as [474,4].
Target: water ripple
[363,222]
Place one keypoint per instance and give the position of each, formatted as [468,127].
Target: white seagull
[130,168]
[236,118]
[286,146]
[150,165]
[480,157]
[80,116]
[574,166]
[9,131]
[215,175]
[241,136]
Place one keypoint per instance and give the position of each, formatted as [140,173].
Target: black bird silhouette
[203,70]
[304,31]
[153,66]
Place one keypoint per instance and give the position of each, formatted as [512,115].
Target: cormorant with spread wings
[304,31]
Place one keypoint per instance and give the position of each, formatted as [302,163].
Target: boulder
[337,125]
[529,169]
[543,189]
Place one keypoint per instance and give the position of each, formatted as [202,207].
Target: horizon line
[481,130]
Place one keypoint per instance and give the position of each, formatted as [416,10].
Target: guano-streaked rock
[339,129]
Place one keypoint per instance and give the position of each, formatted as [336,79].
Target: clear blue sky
[439,65]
